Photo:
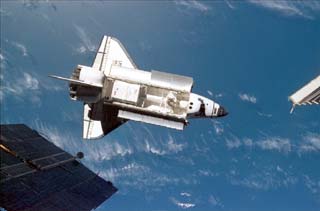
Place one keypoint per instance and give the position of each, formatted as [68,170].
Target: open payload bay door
[99,120]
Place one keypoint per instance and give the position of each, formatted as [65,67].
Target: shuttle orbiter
[114,90]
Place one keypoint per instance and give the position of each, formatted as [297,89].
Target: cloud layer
[86,43]
[21,86]
[183,205]
[193,4]
[248,98]
[21,47]
[304,9]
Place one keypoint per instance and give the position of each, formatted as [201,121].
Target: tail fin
[74,81]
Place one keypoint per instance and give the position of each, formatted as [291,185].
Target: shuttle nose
[222,112]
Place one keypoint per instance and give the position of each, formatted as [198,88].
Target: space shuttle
[114,90]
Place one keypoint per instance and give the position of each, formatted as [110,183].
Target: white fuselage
[155,93]
[114,90]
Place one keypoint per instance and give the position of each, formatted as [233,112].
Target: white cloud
[264,114]
[207,173]
[5,13]
[173,146]
[17,83]
[248,98]
[159,146]
[23,84]
[275,143]
[279,169]
[21,47]
[193,4]
[1,95]
[27,82]
[26,85]
[266,178]
[182,204]
[215,201]
[271,143]
[112,149]
[86,43]
[81,49]
[253,183]
[290,8]
[233,143]
[314,140]
[93,152]
[1,57]
[218,127]
[135,175]
[30,82]
[218,95]
[132,170]
[55,136]
[311,142]
[312,185]
[306,148]
[2,66]
[247,142]
[185,194]
[230,5]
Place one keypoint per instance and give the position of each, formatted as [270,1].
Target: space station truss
[308,94]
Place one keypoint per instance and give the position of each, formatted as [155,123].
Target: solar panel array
[32,180]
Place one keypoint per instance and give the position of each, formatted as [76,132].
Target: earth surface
[248,56]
